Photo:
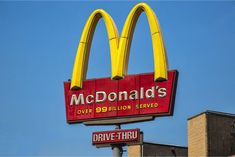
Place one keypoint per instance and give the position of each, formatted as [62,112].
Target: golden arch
[120,47]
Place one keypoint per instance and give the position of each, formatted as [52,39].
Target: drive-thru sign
[116,136]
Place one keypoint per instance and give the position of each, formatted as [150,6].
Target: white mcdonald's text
[102,96]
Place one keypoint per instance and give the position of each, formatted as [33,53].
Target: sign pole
[117,148]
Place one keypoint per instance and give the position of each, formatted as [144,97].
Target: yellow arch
[159,52]
[82,56]
[120,51]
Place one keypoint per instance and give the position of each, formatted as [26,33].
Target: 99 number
[101,109]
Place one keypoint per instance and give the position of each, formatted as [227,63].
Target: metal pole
[117,148]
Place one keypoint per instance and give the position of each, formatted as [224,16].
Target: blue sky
[38,44]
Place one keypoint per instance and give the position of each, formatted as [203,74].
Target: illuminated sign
[121,95]
[116,136]
[135,95]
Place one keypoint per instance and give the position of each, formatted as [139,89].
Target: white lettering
[133,95]
[112,96]
[122,93]
[95,137]
[134,135]
[119,135]
[103,137]
[90,99]
[150,93]
[79,100]
[112,136]
[162,92]
[98,99]
[141,93]
[101,96]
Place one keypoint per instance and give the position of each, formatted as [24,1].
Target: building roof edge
[213,112]
[169,145]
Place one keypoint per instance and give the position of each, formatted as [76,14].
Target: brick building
[154,149]
[210,133]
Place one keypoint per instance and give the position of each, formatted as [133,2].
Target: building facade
[210,133]
[156,150]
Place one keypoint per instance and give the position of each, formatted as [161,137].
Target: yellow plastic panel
[120,47]
[82,57]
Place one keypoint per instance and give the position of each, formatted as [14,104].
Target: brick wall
[159,150]
[220,140]
[156,150]
[134,151]
[209,134]
[197,136]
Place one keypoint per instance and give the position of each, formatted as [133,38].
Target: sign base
[118,121]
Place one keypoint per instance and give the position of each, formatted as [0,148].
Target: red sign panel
[135,95]
[116,136]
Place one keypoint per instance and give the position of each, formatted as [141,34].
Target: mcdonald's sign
[121,96]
